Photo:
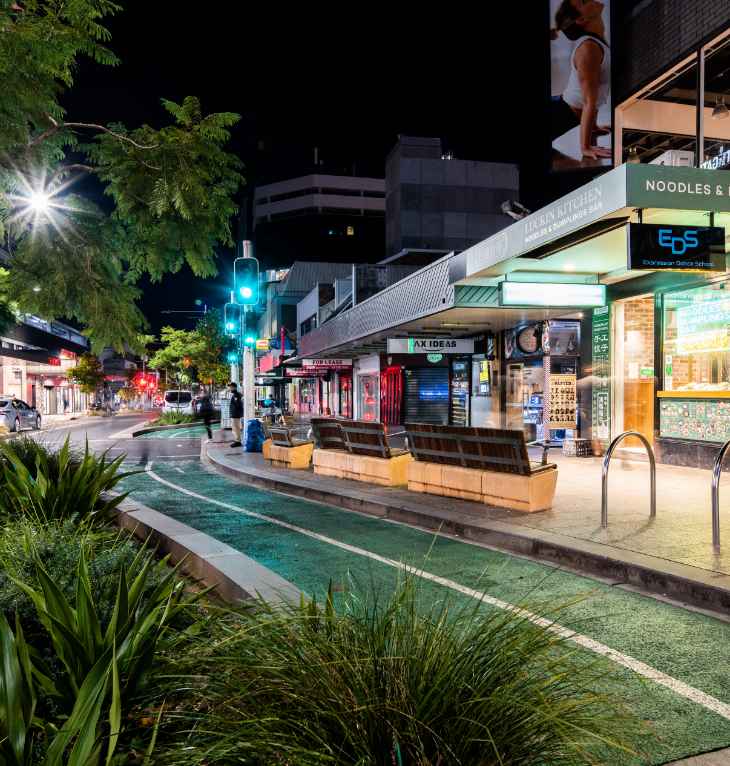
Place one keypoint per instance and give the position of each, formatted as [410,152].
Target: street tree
[211,361]
[88,373]
[178,346]
[171,186]
[195,355]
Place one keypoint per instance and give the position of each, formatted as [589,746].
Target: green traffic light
[249,340]
[246,292]
[232,357]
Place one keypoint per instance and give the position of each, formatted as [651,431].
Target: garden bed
[111,655]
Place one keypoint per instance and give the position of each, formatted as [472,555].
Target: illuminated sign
[703,327]
[262,344]
[327,364]
[434,358]
[717,162]
[656,247]
[552,295]
[430,346]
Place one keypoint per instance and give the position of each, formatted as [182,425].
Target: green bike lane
[686,707]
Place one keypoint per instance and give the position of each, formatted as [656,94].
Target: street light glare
[39,201]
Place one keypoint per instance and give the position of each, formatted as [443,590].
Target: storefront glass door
[633,368]
[367,395]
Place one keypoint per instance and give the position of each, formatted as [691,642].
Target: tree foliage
[88,373]
[197,354]
[172,187]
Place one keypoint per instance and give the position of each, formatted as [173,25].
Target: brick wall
[657,33]
[638,336]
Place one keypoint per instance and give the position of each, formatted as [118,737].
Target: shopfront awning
[661,191]
[580,238]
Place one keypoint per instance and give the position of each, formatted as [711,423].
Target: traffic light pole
[248,358]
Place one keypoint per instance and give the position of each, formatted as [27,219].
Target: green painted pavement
[184,432]
[690,647]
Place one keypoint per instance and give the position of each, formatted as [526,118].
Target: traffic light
[232,320]
[246,280]
[232,357]
[250,332]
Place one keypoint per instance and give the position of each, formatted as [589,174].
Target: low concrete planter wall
[233,576]
[152,429]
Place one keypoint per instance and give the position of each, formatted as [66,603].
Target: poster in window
[580,84]
[562,406]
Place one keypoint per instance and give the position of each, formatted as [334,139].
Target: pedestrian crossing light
[250,331]
[232,357]
[232,320]
[246,278]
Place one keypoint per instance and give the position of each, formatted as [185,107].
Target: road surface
[671,665]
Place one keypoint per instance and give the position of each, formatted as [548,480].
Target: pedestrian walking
[235,412]
[205,408]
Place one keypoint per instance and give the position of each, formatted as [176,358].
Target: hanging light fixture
[720,110]
[632,156]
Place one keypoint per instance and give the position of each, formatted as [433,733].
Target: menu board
[696,419]
[601,399]
[562,405]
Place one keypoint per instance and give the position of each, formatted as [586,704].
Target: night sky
[345,81]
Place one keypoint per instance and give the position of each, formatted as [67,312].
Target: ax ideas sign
[430,346]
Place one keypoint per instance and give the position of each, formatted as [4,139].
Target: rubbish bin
[254,435]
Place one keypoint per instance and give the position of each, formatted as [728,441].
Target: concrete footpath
[671,555]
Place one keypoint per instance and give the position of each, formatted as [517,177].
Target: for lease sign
[430,345]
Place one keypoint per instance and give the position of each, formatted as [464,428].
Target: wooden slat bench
[286,449]
[486,465]
[327,433]
[367,456]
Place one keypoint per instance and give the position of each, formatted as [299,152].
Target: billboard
[580,84]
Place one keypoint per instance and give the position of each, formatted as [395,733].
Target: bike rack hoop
[607,463]
[716,473]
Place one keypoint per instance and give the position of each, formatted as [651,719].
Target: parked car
[17,415]
[178,401]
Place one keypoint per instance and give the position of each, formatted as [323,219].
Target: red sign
[54,361]
[306,372]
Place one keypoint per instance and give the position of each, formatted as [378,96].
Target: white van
[178,401]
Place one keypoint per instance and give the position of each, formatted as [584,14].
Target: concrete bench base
[390,472]
[504,490]
[297,458]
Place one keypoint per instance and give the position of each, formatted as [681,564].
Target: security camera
[514,209]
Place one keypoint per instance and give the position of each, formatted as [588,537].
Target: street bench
[327,434]
[367,455]
[485,465]
[286,449]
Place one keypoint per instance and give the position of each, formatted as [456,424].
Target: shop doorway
[367,396]
[633,368]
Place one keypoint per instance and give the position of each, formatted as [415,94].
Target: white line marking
[179,470]
[626,661]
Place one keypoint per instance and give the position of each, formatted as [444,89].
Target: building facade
[319,217]
[438,204]
[35,356]
[603,312]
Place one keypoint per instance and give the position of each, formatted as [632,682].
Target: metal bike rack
[716,472]
[652,473]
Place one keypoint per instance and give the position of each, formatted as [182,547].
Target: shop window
[666,123]
[633,361]
[697,339]
[368,397]
[660,126]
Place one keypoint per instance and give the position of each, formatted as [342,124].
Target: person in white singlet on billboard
[589,82]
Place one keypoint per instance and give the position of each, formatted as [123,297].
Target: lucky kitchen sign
[430,345]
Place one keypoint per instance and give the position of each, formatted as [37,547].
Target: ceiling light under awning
[552,295]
